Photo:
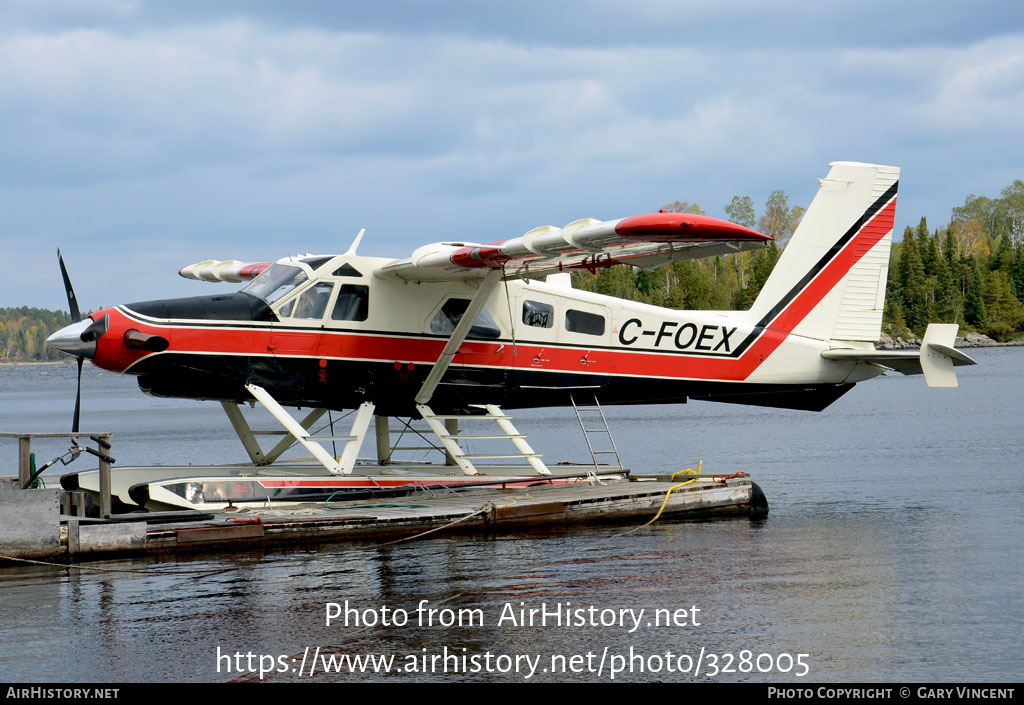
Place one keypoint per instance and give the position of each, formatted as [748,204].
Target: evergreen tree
[1004,313]
[763,263]
[974,301]
[915,285]
[1017,278]
[1003,257]
[946,301]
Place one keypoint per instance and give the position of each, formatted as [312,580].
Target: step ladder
[593,423]
[449,435]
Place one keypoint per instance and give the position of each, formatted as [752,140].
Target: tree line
[23,333]
[970,271]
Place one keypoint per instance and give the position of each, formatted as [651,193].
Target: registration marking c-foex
[683,336]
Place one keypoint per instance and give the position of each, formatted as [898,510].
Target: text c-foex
[683,336]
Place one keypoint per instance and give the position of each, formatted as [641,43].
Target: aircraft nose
[80,338]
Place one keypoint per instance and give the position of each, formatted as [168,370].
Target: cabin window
[450,315]
[276,282]
[583,322]
[312,303]
[353,303]
[538,315]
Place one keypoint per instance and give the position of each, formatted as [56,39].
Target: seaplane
[464,331]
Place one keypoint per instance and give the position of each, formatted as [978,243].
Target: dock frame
[102,452]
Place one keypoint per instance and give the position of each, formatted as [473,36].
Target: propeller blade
[78,403]
[76,316]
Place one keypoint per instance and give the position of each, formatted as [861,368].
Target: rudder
[829,282]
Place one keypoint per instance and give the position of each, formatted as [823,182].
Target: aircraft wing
[232,270]
[646,241]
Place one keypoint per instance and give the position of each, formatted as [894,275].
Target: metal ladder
[587,432]
[465,460]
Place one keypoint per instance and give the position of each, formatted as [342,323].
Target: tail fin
[829,283]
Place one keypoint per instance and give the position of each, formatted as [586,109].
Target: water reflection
[893,549]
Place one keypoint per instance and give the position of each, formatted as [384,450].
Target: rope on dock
[141,571]
[490,506]
[486,508]
[687,471]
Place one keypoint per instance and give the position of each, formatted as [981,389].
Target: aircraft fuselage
[375,339]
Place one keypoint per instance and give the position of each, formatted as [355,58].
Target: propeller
[79,339]
[76,317]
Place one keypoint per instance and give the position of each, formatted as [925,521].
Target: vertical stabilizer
[829,283]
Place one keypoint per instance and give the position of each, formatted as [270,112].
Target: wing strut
[487,285]
[451,440]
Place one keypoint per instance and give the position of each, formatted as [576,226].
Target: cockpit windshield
[276,282]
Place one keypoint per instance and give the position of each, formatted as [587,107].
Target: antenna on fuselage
[355,243]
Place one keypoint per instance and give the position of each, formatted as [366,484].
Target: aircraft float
[462,329]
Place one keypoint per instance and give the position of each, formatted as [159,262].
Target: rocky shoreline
[968,340]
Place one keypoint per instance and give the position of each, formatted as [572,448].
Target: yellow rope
[687,471]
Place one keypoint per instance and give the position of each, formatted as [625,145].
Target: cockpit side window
[451,313]
[275,283]
[312,303]
[353,303]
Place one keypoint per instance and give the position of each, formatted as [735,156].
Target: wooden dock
[633,500]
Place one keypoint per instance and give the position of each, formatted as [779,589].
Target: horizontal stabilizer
[936,358]
[936,361]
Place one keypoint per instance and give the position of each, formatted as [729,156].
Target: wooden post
[104,448]
[73,525]
[383,429]
[24,460]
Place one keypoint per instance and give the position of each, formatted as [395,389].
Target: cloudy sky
[141,136]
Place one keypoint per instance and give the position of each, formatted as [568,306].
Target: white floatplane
[462,331]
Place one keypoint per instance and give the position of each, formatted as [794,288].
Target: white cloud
[243,136]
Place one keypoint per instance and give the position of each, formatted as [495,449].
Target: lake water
[893,552]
